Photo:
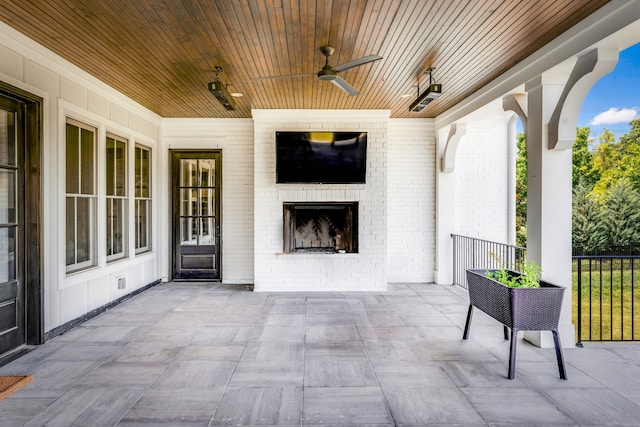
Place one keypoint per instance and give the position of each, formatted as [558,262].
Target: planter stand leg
[559,357]
[512,354]
[467,326]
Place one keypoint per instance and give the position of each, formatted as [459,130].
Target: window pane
[121,164]
[207,232]
[84,222]
[71,230]
[145,174]
[142,190]
[142,172]
[7,254]
[207,172]
[188,202]
[7,138]
[141,223]
[110,163]
[189,230]
[206,202]
[188,175]
[109,227]
[7,196]
[137,223]
[115,227]
[87,162]
[138,172]
[73,183]
[119,233]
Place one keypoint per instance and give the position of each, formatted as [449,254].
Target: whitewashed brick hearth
[362,271]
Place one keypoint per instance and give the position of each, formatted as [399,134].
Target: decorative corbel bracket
[517,102]
[448,160]
[589,68]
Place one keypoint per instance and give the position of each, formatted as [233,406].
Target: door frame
[173,206]
[33,225]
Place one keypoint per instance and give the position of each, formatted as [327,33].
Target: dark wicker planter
[519,309]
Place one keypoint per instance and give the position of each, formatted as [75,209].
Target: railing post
[455,259]
[579,310]
[621,299]
[633,300]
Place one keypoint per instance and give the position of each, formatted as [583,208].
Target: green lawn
[614,312]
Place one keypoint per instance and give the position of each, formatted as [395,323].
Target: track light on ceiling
[434,91]
[219,90]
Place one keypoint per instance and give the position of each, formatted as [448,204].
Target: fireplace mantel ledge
[321,255]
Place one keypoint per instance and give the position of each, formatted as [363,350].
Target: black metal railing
[470,252]
[630,249]
[604,298]
[603,284]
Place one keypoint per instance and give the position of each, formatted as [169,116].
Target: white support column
[548,203]
[445,200]
[552,109]
[511,179]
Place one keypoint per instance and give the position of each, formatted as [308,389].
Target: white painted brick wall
[364,271]
[482,168]
[235,138]
[411,154]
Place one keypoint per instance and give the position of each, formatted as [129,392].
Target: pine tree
[621,215]
[587,227]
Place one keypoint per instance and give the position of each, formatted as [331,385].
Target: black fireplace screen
[321,227]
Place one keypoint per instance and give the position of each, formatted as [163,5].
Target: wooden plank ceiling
[162,53]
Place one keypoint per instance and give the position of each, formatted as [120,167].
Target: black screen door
[196,215]
[12,300]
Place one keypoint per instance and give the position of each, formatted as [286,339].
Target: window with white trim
[116,171]
[142,198]
[81,196]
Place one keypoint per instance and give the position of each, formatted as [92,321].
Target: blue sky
[615,99]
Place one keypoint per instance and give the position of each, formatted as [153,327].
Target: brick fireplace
[294,252]
[327,227]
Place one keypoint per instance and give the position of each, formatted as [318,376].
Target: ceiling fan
[329,73]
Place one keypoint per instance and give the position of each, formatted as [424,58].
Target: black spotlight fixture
[434,91]
[219,90]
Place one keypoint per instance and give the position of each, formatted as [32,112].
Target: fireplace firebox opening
[329,227]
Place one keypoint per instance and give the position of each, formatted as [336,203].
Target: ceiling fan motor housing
[327,74]
[327,50]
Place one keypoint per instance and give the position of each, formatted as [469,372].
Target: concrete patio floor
[193,354]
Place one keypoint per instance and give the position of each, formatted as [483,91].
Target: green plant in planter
[529,278]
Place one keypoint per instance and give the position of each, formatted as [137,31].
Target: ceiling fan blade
[285,76]
[342,84]
[356,63]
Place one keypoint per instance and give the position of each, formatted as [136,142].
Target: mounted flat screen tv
[321,157]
